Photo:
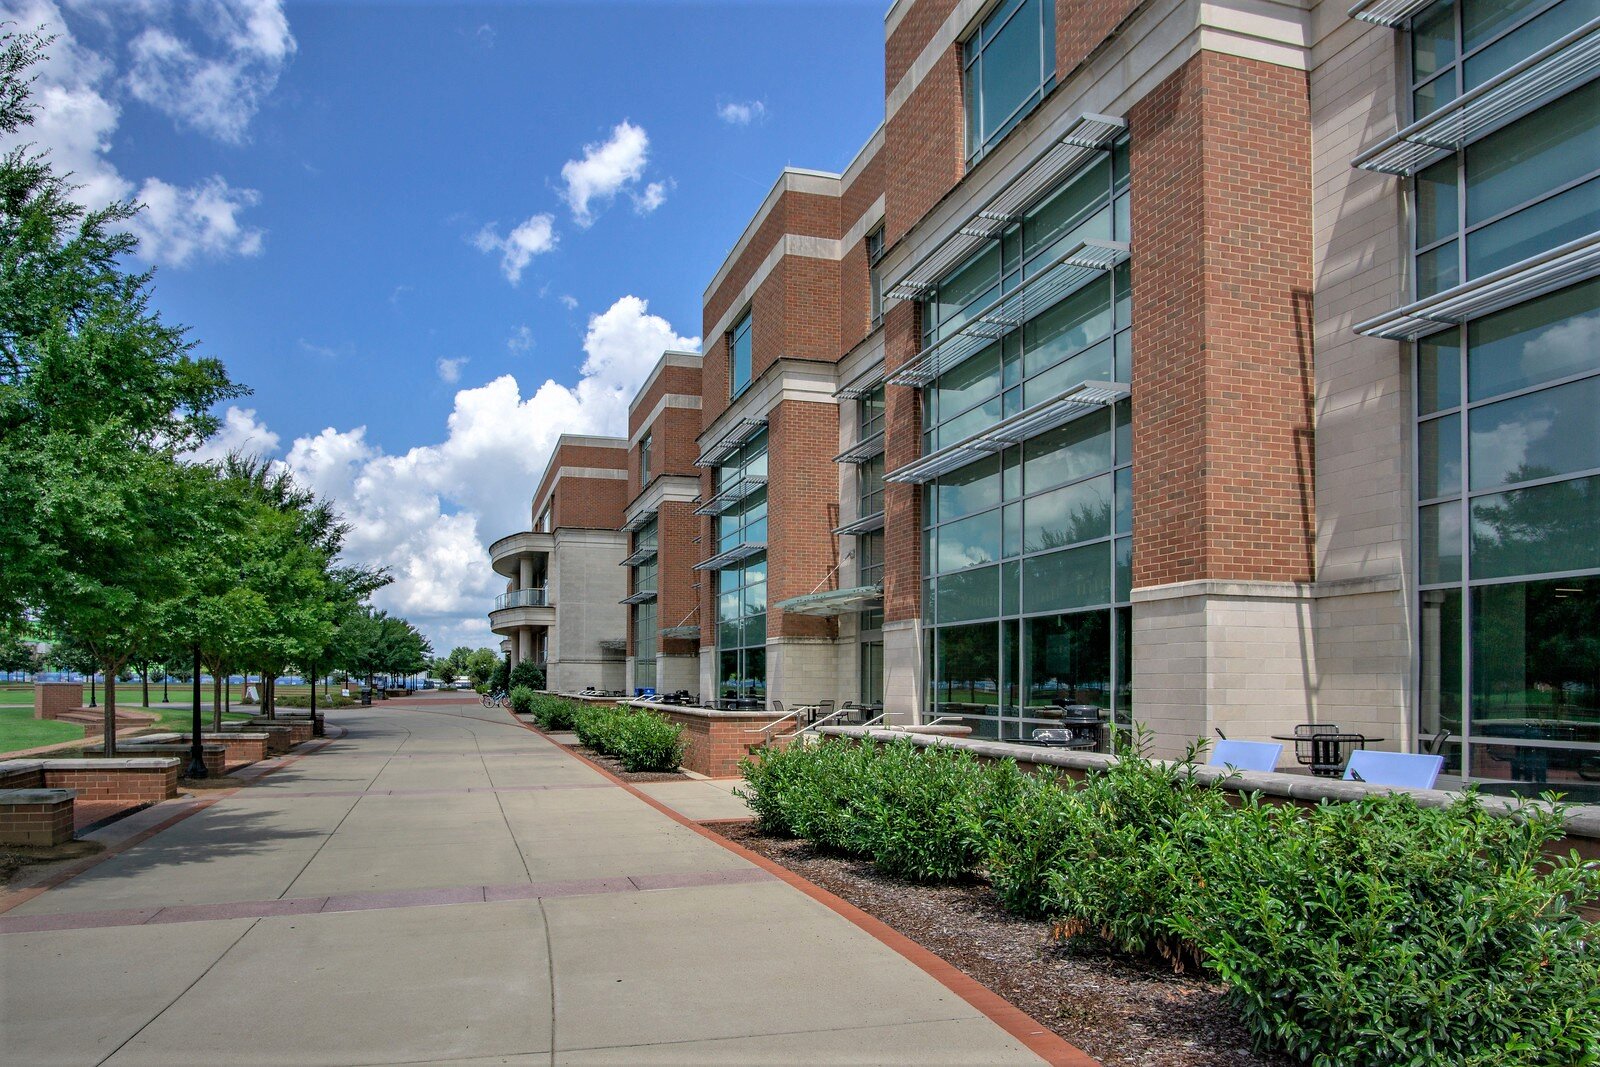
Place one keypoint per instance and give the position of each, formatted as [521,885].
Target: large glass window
[1008,66]
[739,355]
[1508,482]
[645,443]
[644,645]
[1458,45]
[742,587]
[1519,191]
[874,276]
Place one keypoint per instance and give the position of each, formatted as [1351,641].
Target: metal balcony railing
[523,598]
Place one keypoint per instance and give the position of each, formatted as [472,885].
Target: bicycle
[496,700]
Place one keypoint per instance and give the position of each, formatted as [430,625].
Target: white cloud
[654,195]
[569,302]
[533,237]
[450,369]
[76,92]
[427,514]
[521,340]
[606,168]
[217,86]
[737,114]
[240,432]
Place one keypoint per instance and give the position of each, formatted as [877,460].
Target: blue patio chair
[1404,770]
[1246,755]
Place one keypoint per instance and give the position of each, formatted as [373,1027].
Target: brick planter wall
[280,736]
[715,741]
[35,817]
[301,729]
[139,780]
[215,756]
[50,699]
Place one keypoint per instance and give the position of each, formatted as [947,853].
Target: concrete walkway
[441,885]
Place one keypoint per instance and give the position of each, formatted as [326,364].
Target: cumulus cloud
[737,114]
[607,167]
[217,85]
[533,237]
[78,95]
[654,195]
[450,369]
[429,513]
[240,432]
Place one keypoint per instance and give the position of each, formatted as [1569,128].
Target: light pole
[197,755]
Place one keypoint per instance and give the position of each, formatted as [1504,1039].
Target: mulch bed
[13,858]
[614,765]
[1121,1010]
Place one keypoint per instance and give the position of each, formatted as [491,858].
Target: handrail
[775,722]
[812,726]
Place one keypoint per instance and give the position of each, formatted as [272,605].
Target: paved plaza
[441,885]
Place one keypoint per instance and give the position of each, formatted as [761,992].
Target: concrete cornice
[669,400]
[808,380]
[853,169]
[1213,588]
[790,180]
[664,488]
[669,358]
[588,441]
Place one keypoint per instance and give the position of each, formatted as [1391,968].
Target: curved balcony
[506,554]
[521,608]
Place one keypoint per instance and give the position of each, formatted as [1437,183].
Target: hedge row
[1374,932]
[553,712]
[642,740]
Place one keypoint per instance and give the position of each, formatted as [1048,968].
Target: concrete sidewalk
[443,886]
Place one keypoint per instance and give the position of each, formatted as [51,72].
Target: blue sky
[431,237]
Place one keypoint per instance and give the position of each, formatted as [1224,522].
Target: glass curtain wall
[1508,439]
[1008,66]
[1027,554]
[742,587]
[644,645]
[869,549]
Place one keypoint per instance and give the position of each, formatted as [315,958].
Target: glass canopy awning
[1563,265]
[833,601]
[1057,411]
[1065,274]
[730,442]
[680,632]
[1088,135]
[1559,67]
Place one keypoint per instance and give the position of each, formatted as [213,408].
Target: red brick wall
[50,699]
[804,214]
[1222,378]
[914,30]
[672,379]
[45,823]
[584,503]
[926,144]
[803,509]
[902,504]
[714,746]
[1081,26]
[214,756]
[132,784]
[677,527]
[714,380]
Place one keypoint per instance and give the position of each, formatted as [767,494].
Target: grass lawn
[19,729]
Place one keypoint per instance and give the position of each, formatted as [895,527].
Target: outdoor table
[1328,750]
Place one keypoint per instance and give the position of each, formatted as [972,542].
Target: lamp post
[197,755]
[164,675]
[91,687]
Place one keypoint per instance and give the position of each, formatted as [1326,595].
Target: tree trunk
[144,680]
[110,736]
[216,698]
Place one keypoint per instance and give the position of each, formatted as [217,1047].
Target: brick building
[560,608]
[1221,366]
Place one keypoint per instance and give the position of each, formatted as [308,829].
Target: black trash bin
[366,697]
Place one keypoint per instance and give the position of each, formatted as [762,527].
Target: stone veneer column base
[804,670]
[1255,659]
[904,671]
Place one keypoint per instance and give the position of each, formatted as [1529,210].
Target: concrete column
[525,572]
[524,643]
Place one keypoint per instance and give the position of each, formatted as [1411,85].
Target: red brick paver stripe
[439,792]
[400,898]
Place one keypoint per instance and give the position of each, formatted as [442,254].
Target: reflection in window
[739,355]
[1007,67]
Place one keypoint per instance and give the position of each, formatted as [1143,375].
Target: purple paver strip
[400,898]
[699,878]
[404,898]
[436,792]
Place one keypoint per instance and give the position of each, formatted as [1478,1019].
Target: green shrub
[499,678]
[642,740]
[554,713]
[825,801]
[769,776]
[522,699]
[923,812]
[1137,839]
[1031,838]
[527,673]
[1378,932]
